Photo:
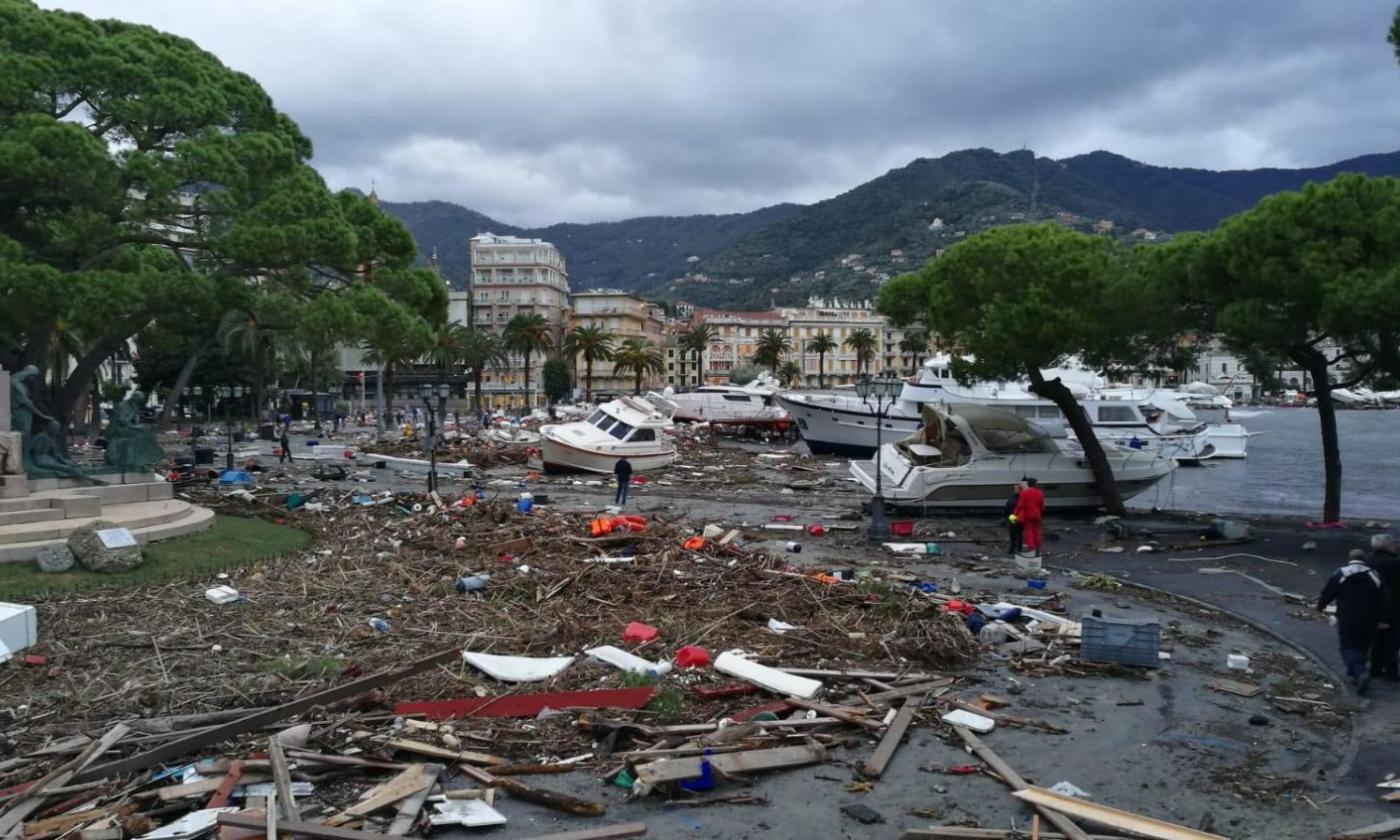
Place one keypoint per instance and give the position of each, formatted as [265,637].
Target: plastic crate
[1126,641]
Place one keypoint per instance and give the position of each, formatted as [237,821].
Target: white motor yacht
[732,405]
[630,427]
[843,424]
[968,456]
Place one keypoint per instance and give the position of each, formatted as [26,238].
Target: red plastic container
[902,528]
[637,632]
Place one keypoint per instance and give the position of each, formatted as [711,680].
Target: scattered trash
[379,624]
[733,663]
[222,595]
[1125,641]
[639,633]
[1237,662]
[472,583]
[971,720]
[1070,789]
[691,656]
[862,814]
[517,668]
[794,547]
[780,627]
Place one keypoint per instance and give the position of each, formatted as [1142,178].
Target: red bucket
[903,528]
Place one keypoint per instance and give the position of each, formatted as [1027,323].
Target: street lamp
[427,391]
[884,392]
[225,394]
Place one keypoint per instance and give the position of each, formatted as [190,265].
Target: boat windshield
[595,417]
[1002,431]
[619,430]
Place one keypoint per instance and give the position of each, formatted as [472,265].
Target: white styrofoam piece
[221,594]
[977,723]
[733,663]
[1032,612]
[192,824]
[265,789]
[907,548]
[621,659]
[470,813]
[517,668]
[18,629]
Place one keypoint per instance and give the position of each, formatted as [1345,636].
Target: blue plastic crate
[1125,641]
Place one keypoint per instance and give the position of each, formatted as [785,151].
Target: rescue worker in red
[1030,510]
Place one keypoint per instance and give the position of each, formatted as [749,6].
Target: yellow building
[622,316]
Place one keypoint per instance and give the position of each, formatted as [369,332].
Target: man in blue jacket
[1360,596]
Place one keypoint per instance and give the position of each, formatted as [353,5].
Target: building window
[1224,367]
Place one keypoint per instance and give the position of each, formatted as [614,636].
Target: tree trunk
[527,380]
[476,391]
[386,386]
[66,398]
[1315,363]
[588,379]
[821,371]
[182,380]
[637,384]
[1058,393]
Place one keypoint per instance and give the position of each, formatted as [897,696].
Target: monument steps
[147,521]
[21,517]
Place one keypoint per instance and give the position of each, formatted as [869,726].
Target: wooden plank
[403,785]
[223,732]
[226,785]
[749,761]
[604,832]
[282,781]
[33,796]
[409,808]
[527,705]
[548,798]
[958,832]
[888,744]
[308,757]
[199,788]
[1389,828]
[860,675]
[1016,783]
[1241,689]
[442,752]
[270,814]
[64,821]
[908,690]
[1111,817]
[833,712]
[303,829]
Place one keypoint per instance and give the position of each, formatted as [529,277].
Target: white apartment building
[509,276]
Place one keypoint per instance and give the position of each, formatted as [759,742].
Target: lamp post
[427,390]
[884,392]
[225,394]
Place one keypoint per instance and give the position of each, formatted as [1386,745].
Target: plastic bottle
[794,547]
[472,583]
[379,624]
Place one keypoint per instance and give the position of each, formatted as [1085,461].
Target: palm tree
[914,344]
[772,346]
[821,345]
[594,345]
[259,333]
[480,350]
[863,342]
[445,354]
[640,357]
[697,339]
[392,346]
[527,334]
[789,373]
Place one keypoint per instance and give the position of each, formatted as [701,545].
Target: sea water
[1283,473]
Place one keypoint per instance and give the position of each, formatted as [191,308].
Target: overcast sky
[537,111]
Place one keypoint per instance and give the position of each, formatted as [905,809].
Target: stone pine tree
[1024,298]
[1310,276]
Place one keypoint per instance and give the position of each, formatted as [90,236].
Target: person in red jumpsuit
[1030,510]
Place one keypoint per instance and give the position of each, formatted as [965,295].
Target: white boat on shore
[843,424]
[630,427]
[732,405]
[967,456]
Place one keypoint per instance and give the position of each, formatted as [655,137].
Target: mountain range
[845,246]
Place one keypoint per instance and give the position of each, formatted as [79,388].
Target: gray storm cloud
[537,111]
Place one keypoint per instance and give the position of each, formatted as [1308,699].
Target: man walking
[1385,649]
[286,443]
[1013,527]
[623,471]
[1029,512]
[1360,595]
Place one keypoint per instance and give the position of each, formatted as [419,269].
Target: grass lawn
[232,541]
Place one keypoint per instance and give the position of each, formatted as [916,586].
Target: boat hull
[559,456]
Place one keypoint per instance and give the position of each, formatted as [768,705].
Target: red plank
[527,705]
[749,714]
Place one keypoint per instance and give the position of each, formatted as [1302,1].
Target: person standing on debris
[623,471]
[1360,596]
[1385,649]
[1029,512]
[286,443]
[1013,527]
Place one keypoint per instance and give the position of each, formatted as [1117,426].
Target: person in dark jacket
[286,443]
[1013,528]
[1360,597]
[1385,649]
[623,471]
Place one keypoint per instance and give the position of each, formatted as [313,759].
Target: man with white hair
[1360,596]
[1385,649]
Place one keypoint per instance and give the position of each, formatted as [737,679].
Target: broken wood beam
[665,770]
[303,829]
[1379,831]
[547,798]
[1009,720]
[282,781]
[444,753]
[959,832]
[894,733]
[32,798]
[223,732]
[1016,783]
[602,832]
[831,711]
[1135,824]
[402,786]
[411,806]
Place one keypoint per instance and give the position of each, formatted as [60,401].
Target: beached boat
[732,405]
[630,427]
[512,435]
[967,456]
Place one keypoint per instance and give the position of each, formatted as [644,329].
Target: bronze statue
[22,409]
[131,444]
[45,458]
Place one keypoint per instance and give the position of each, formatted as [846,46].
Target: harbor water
[1283,474]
